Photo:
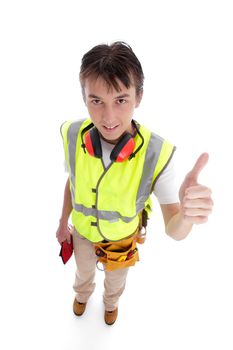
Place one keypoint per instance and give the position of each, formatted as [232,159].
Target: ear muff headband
[94,143]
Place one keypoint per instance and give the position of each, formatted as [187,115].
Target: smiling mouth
[110,128]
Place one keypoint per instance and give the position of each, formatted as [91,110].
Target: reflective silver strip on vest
[111,216]
[151,159]
[72,137]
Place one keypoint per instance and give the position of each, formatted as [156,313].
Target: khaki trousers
[84,285]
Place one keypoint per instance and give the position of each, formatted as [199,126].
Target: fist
[64,232]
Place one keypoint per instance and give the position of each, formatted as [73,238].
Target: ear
[138,99]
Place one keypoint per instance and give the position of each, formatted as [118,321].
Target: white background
[180,295]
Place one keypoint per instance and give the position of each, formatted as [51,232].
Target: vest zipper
[96,200]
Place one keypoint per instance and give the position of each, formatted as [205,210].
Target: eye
[121,101]
[96,102]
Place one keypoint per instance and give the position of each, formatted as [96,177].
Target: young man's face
[110,111]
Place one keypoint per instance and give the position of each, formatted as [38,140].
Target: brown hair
[112,62]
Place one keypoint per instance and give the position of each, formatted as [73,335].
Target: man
[114,165]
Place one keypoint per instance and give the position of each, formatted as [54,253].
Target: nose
[108,115]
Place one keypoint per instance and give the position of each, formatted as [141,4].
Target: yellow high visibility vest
[107,201]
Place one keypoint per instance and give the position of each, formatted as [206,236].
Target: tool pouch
[117,255]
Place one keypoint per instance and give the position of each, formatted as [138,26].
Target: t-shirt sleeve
[166,189]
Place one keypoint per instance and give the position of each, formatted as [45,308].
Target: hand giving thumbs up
[195,199]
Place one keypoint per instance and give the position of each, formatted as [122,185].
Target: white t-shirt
[165,188]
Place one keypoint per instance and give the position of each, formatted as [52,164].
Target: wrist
[178,227]
[63,222]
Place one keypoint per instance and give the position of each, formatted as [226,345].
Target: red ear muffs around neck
[121,152]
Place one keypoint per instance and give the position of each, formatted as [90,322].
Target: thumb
[68,238]
[199,165]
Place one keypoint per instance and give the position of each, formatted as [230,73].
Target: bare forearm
[67,205]
[177,227]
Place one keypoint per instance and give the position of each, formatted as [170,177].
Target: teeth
[112,127]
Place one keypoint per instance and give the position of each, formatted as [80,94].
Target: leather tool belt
[124,253]
[117,255]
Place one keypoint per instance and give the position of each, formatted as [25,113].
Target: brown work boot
[78,307]
[110,316]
